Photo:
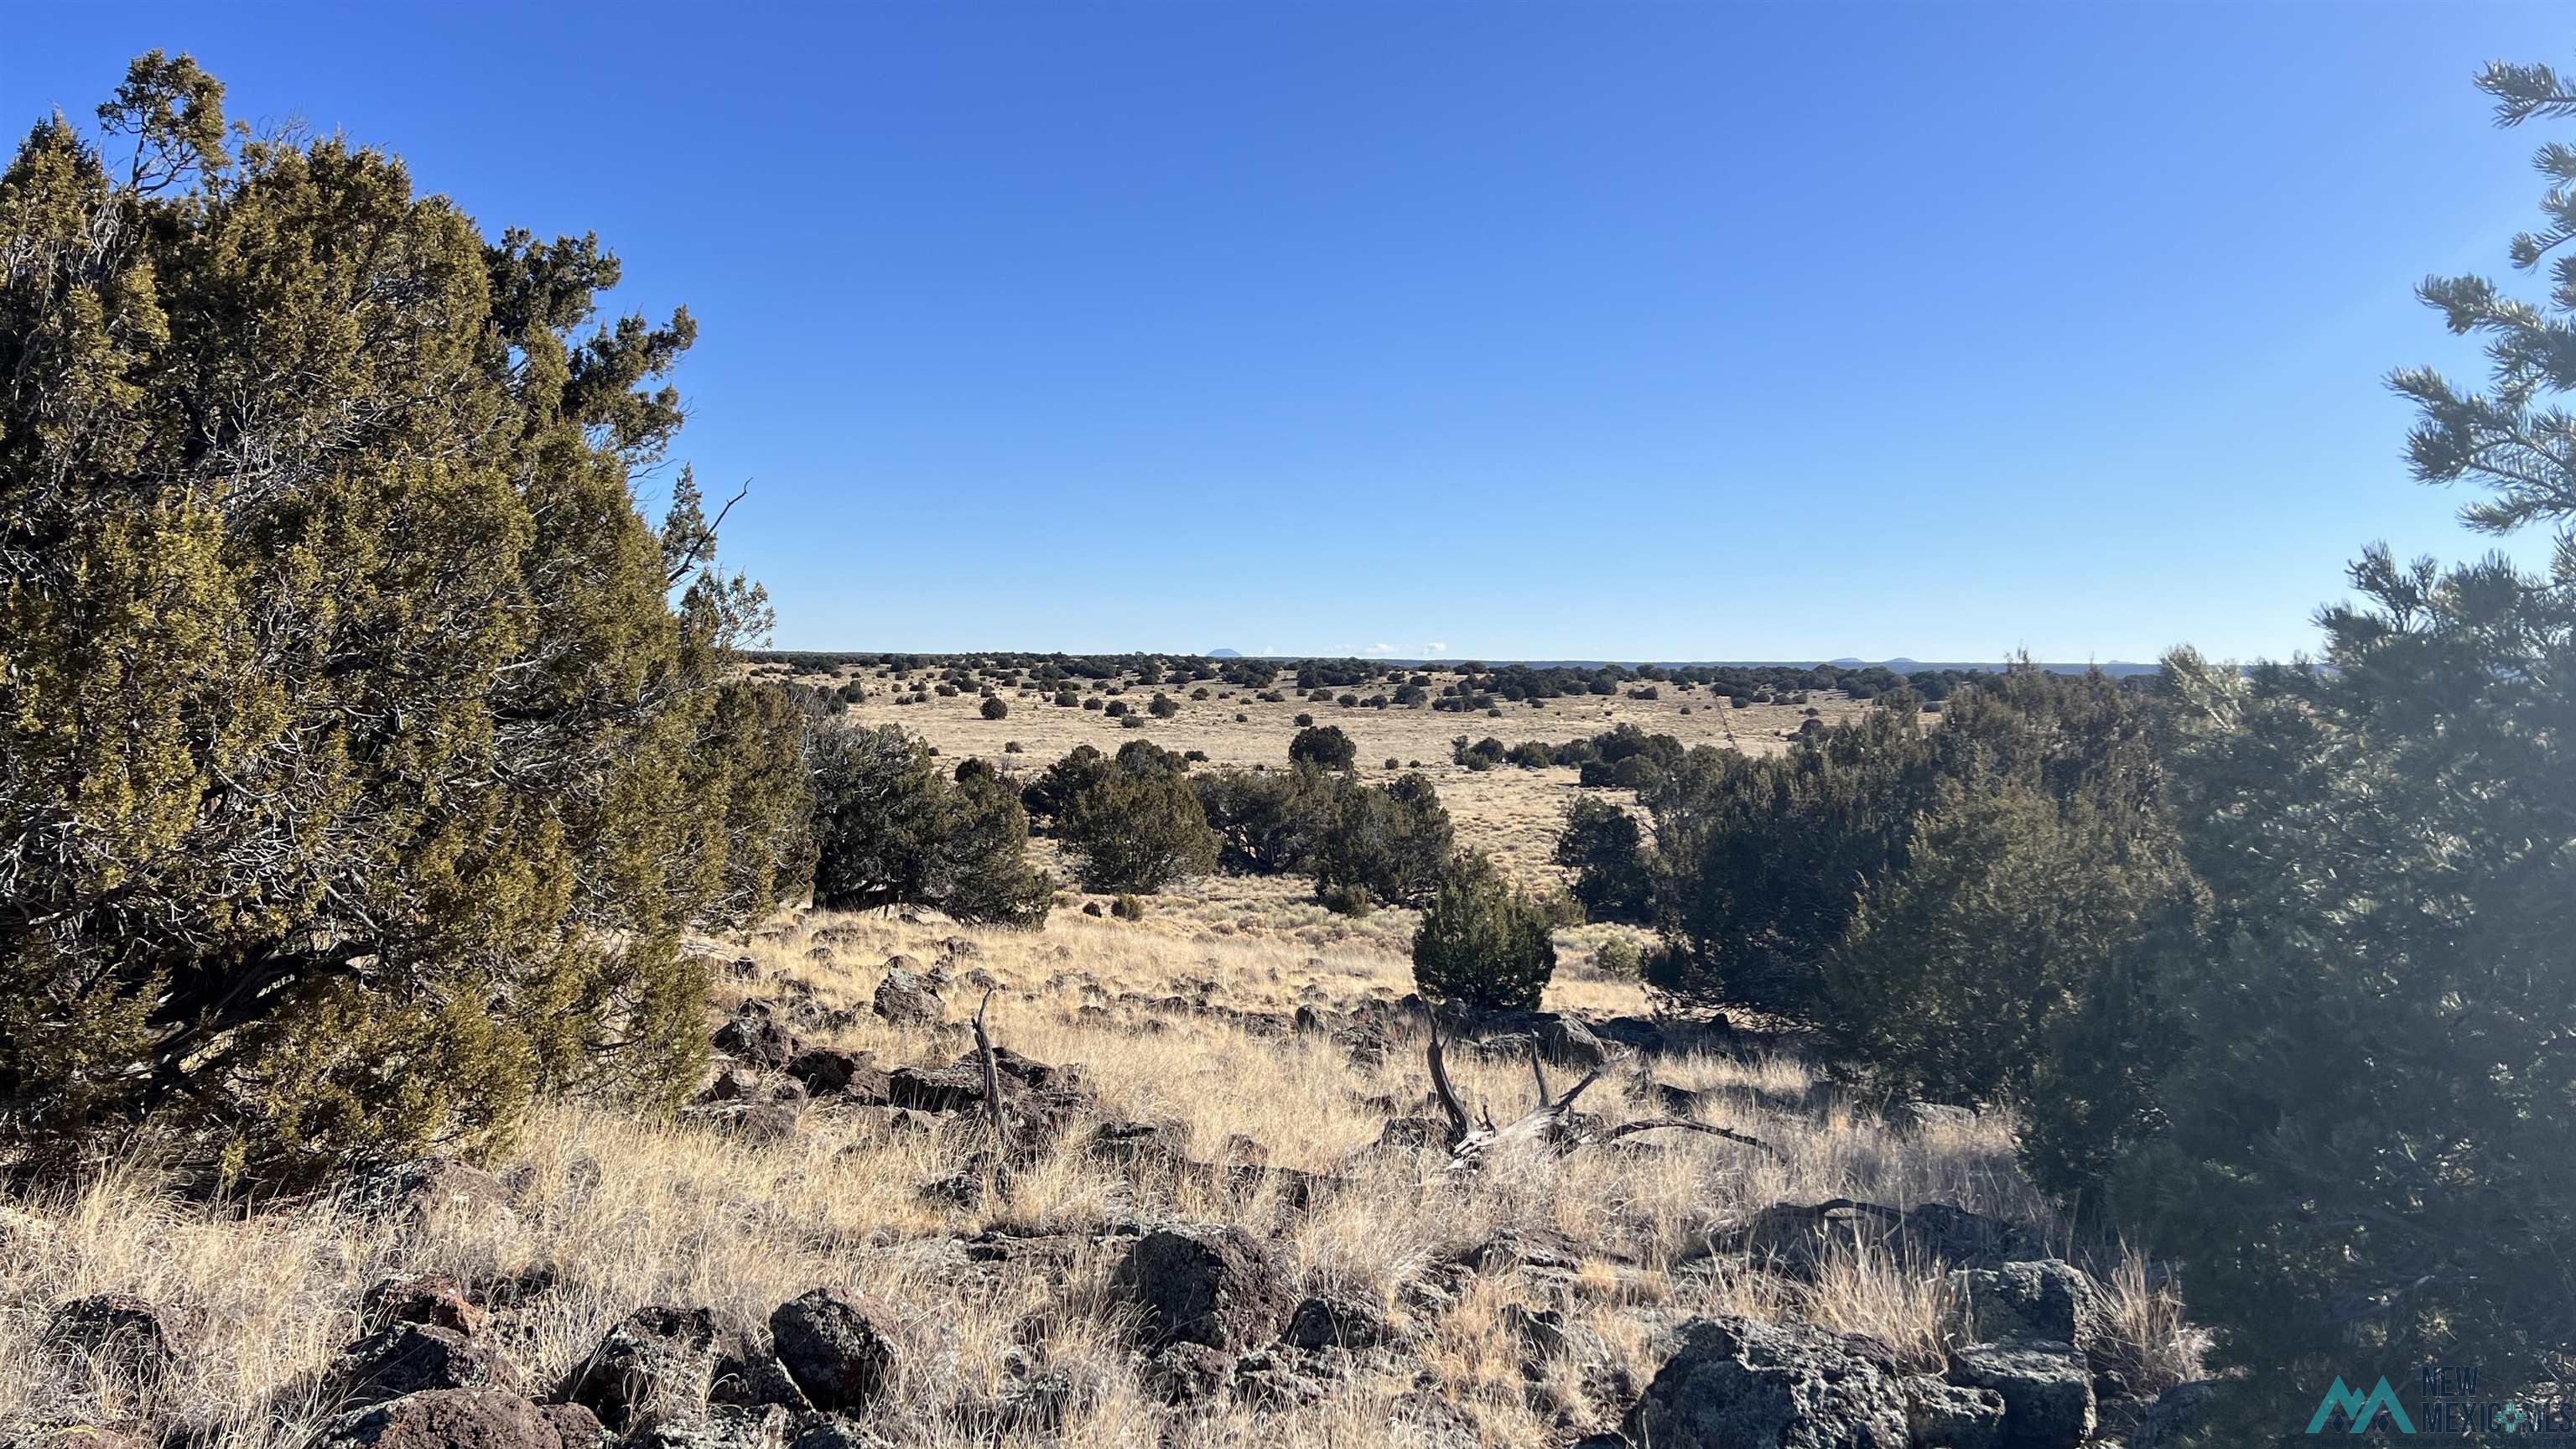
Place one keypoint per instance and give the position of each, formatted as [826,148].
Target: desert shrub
[892,829]
[1116,709]
[1011,747]
[994,708]
[1131,722]
[1199,693]
[1618,957]
[1484,754]
[1243,719]
[1163,706]
[1136,825]
[1194,757]
[1346,900]
[852,692]
[1067,699]
[1093,701]
[1127,908]
[362,771]
[1531,755]
[1392,763]
[947,691]
[1305,721]
[1481,942]
[1325,746]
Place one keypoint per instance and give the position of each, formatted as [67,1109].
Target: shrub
[994,708]
[1618,957]
[1136,824]
[892,829]
[1481,942]
[1325,746]
[1117,708]
[1067,699]
[1163,706]
[1127,908]
[1010,747]
[351,721]
[1392,763]
[1305,721]
[1346,900]
[1092,701]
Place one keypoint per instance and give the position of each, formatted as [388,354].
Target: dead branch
[1550,1123]
[992,1076]
[1687,1125]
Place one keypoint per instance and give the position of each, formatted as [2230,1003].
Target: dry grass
[623,1213]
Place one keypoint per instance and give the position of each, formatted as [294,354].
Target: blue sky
[1527,331]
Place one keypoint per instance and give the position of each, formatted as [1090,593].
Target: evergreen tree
[1481,942]
[1136,824]
[360,771]
[890,829]
[2372,1162]
[1389,842]
[1325,746]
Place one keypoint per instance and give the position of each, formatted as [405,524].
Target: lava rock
[832,1349]
[1737,1384]
[1212,1285]
[2046,1389]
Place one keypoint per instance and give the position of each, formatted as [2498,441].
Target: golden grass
[624,1212]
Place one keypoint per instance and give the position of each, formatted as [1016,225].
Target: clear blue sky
[1565,330]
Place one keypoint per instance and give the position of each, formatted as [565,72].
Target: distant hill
[1223,654]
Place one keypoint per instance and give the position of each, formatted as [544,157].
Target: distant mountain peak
[1223,654]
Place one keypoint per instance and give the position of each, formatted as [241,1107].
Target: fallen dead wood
[1551,1124]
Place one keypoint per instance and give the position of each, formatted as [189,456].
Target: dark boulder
[2046,1388]
[410,1358]
[1737,1384]
[1212,1285]
[906,998]
[461,1419]
[833,1350]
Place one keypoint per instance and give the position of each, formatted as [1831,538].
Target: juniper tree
[359,771]
[1481,942]
[891,829]
[1133,822]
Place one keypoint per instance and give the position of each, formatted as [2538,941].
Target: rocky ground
[1224,1200]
